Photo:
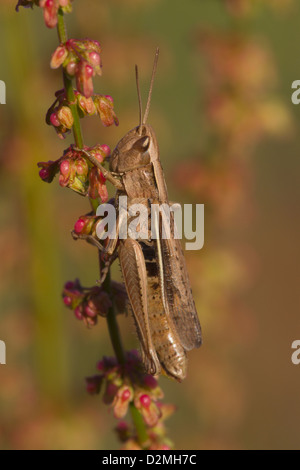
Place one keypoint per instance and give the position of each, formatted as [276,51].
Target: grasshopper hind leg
[133,267]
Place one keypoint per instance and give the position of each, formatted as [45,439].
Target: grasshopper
[154,270]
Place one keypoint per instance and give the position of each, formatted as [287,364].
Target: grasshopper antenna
[139,97]
[151,86]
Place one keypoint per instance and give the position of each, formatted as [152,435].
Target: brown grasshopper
[154,271]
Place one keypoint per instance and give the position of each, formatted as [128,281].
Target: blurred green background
[228,136]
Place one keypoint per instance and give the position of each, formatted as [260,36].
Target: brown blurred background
[228,136]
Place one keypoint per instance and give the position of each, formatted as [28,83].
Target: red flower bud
[97,185]
[84,81]
[65,167]
[94,59]
[78,313]
[48,170]
[148,408]
[106,149]
[71,68]
[122,400]
[65,117]
[67,301]
[90,312]
[86,105]
[54,120]
[79,226]
[59,56]
[145,401]
[44,173]
[105,109]
[50,12]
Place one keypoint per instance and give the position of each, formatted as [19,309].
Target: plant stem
[62,34]
[112,323]
[113,326]
[140,427]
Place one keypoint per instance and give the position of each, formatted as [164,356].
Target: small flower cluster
[77,173]
[60,116]
[80,59]
[128,384]
[90,303]
[50,8]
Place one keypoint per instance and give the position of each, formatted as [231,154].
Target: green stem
[62,34]
[140,427]
[113,326]
[112,323]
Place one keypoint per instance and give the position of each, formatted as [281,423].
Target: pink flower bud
[50,13]
[65,117]
[78,313]
[84,74]
[86,105]
[103,192]
[58,57]
[126,395]
[94,59]
[109,98]
[81,167]
[71,68]
[48,170]
[65,167]
[54,120]
[106,149]
[148,408]
[122,400]
[79,226]
[67,301]
[90,312]
[145,401]
[44,173]
[90,322]
[89,71]
[105,109]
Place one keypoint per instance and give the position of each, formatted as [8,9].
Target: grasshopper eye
[142,145]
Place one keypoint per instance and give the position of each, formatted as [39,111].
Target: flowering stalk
[62,35]
[125,383]
[113,328]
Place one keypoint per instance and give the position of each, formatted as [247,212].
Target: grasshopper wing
[180,303]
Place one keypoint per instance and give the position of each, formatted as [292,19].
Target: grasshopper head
[137,149]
